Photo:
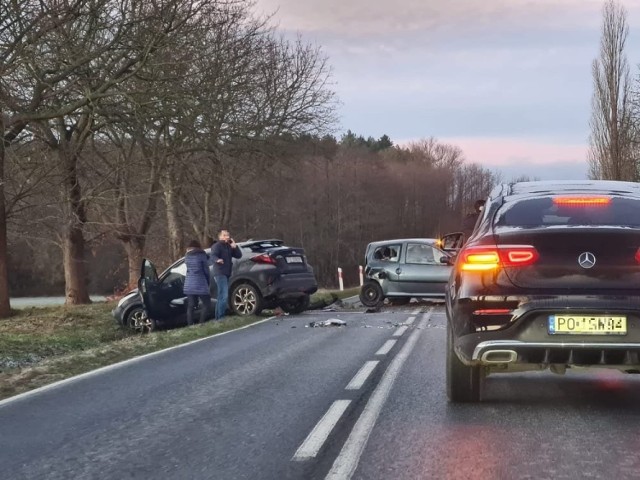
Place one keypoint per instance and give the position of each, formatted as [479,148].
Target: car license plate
[587,324]
[294,259]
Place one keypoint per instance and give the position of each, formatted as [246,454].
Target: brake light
[264,258]
[638,255]
[589,201]
[490,257]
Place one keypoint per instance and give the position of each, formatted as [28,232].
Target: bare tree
[60,76]
[23,24]
[611,152]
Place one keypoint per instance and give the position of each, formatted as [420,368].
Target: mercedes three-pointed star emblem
[587,260]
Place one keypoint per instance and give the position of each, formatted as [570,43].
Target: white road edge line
[388,345]
[347,462]
[314,441]
[409,320]
[114,366]
[400,331]
[359,378]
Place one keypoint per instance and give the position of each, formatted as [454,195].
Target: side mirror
[446,260]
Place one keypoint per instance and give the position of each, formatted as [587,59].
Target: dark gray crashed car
[402,269]
[269,274]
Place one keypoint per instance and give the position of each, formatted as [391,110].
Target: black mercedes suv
[269,274]
[550,278]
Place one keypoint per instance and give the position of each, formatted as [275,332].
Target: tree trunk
[73,245]
[5,306]
[176,245]
[134,249]
[75,273]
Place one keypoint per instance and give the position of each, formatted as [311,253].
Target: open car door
[148,289]
[163,298]
[451,243]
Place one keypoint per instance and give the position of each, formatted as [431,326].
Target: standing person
[196,283]
[221,254]
[469,222]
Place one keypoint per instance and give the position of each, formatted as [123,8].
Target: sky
[508,81]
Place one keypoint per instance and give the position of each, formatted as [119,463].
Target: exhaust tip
[499,356]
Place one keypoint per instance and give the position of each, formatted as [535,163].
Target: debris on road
[332,322]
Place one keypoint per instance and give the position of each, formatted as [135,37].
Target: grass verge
[39,346]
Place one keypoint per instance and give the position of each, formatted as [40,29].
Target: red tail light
[638,255]
[490,257]
[581,201]
[264,258]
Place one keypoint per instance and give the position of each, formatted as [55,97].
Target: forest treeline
[329,196]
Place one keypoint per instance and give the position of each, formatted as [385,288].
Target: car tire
[371,295]
[246,300]
[137,321]
[297,305]
[400,301]
[463,382]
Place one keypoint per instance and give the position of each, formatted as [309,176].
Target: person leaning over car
[196,282]
[221,254]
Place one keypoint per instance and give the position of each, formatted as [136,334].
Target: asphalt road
[282,400]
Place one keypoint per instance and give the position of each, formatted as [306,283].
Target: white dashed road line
[314,441]
[388,345]
[400,331]
[358,380]
[347,462]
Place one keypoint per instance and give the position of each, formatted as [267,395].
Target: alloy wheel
[139,322]
[245,301]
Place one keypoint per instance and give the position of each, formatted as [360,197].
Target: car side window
[438,255]
[387,253]
[175,278]
[422,254]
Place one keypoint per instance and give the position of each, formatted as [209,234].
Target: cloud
[375,17]
[537,158]
[501,151]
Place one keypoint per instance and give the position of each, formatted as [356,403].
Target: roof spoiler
[250,243]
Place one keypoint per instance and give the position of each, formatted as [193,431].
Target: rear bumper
[292,286]
[528,342]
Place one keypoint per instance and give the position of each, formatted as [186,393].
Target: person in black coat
[196,282]
[469,221]
[222,253]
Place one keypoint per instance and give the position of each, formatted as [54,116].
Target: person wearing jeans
[222,253]
[196,282]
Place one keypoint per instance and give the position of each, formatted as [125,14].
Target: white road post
[361,272]
[340,281]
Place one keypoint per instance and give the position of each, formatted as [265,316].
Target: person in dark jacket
[469,222]
[196,282]
[222,253]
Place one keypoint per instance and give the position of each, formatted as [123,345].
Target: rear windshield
[543,211]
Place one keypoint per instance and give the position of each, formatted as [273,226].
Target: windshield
[550,211]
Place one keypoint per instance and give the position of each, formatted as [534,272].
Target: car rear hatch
[578,242]
[289,260]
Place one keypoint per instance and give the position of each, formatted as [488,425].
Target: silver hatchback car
[402,269]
